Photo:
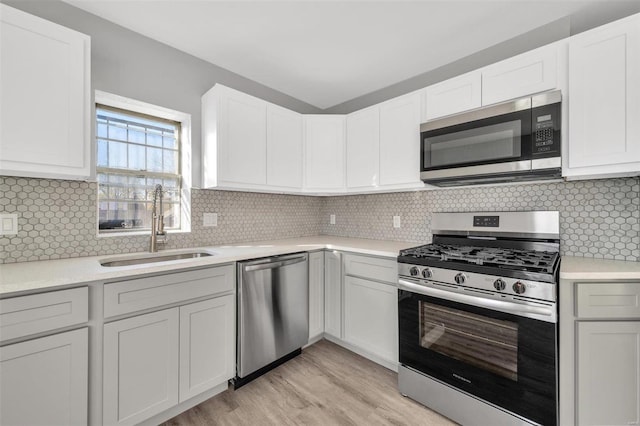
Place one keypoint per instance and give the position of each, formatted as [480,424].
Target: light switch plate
[332,219]
[8,224]
[396,221]
[210,219]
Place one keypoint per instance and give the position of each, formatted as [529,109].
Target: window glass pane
[117,131]
[101,132]
[117,155]
[169,141]
[136,134]
[154,137]
[136,157]
[103,153]
[154,160]
[170,161]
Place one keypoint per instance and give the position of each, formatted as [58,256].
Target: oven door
[494,144]
[502,358]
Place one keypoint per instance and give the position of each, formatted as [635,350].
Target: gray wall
[591,16]
[128,64]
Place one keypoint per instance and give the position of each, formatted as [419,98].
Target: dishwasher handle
[273,264]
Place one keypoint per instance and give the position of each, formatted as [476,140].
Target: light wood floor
[325,385]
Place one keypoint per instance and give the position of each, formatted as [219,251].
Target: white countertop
[26,277]
[585,268]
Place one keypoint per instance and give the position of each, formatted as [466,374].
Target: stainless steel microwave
[512,141]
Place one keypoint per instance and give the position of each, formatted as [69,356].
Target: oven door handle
[482,302]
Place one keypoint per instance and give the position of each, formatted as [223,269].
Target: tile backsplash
[598,218]
[57,219]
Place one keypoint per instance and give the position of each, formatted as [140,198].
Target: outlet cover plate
[8,224]
[210,219]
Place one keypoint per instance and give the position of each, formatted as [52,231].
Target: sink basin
[141,260]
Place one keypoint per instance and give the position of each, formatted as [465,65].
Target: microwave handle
[482,302]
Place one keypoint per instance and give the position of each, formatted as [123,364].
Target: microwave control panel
[546,139]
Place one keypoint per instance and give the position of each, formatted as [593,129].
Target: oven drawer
[608,300]
[374,268]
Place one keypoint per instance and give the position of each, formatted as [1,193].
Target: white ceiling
[328,52]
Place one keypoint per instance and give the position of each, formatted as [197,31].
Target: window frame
[148,111]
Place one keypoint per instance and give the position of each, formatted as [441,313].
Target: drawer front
[608,300]
[37,313]
[374,268]
[123,297]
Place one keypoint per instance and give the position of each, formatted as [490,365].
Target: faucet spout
[158,234]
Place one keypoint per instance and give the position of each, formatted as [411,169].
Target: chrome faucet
[158,235]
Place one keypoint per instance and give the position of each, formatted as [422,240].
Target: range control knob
[519,287]
[460,278]
[413,271]
[426,273]
[499,284]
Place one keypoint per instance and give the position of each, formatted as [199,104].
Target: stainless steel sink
[140,260]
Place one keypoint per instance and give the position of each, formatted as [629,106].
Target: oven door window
[487,343]
[492,140]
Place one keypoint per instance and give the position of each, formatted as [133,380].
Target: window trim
[148,110]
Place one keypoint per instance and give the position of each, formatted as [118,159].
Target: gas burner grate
[506,258]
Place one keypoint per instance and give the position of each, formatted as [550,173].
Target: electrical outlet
[210,219]
[8,224]
[332,219]
[396,221]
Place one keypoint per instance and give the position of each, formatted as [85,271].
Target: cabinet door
[45,102]
[316,294]
[363,148]
[284,148]
[324,152]
[371,317]
[140,371]
[44,381]
[333,294]
[242,143]
[455,95]
[604,103]
[608,384]
[525,74]
[400,140]
[207,345]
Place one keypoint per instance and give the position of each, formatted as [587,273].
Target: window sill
[146,233]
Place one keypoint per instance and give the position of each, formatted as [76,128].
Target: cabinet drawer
[375,268]
[123,297]
[37,313]
[608,300]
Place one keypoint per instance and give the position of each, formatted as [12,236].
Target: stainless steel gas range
[478,318]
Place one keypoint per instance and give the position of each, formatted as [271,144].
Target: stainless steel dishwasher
[273,313]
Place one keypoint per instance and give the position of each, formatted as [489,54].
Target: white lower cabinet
[140,367]
[316,295]
[371,317]
[207,345]
[608,383]
[599,352]
[44,380]
[333,294]
[154,361]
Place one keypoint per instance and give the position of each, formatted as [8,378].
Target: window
[136,152]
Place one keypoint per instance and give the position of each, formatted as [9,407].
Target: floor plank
[325,385]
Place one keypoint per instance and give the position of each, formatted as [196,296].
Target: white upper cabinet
[45,102]
[363,148]
[531,72]
[400,140]
[284,148]
[324,137]
[455,95]
[604,101]
[234,139]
